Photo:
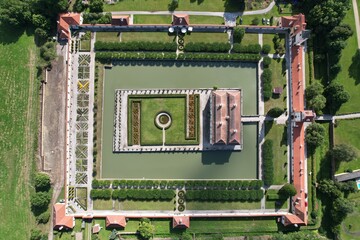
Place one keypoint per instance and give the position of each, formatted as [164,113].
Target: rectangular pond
[181,165]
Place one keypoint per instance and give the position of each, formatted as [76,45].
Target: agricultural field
[19,111]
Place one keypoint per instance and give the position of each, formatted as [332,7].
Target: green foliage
[136,46]
[186,236]
[224,195]
[343,152]
[314,98]
[288,190]
[314,136]
[267,83]
[251,48]
[238,34]
[42,182]
[266,48]
[43,217]
[94,18]
[78,6]
[268,166]
[301,235]
[341,208]
[348,187]
[100,194]
[207,47]
[275,112]
[255,21]
[329,189]
[143,194]
[146,230]
[96,6]
[39,202]
[37,235]
[335,95]
[266,61]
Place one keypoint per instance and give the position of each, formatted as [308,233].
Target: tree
[14,13]
[348,187]
[341,208]
[315,89]
[42,182]
[288,190]
[266,48]
[268,168]
[343,32]
[343,152]
[96,6]
[329,189]
[317,103]
[146,230]
[314,135]
[36,235]
[335,96]
[238,34]
[255,21]
[275,112]
[43,218]
[266,61]
[39,202]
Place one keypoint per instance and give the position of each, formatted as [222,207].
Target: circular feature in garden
[163,120]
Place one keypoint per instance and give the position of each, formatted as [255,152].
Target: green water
[200,165]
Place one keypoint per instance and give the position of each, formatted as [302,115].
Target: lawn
[250,38]
[277,68]
[175,106]
[201,205]
[268,39]
[19,114]
[103,204]
[152,19]
[350,74]
[347,132]
[162,5]
[272,204]
[108,36]
[322,165]
[350,227]
[206,37]
[147,205]
[278,134]
[194,19]
[85,45]
[147,36]
[232,225]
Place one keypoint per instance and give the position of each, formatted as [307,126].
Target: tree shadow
[268,126]
[234,5]
[354,69]
[284,137]
[10,35]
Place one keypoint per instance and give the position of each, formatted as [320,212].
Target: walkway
[357,21]
[331,118]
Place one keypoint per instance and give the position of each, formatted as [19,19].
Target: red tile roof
[65,20]
[115,221]
[181,19]
[96,228]
[235,116]
[181,222]
[60,219]
[220,113]
[120,20]
[296,23]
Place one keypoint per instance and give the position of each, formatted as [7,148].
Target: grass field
[322,165]
[250,38]
[278,134]
[195,205]
[206,37]
[268,39]
[350,75]
[350,227]
[147,36]
[347,132]
[107,36]
[103,204]
[85,45]
[147,205]
[152,19]
[162,5]
[277,67]
[19,111]
[206,20]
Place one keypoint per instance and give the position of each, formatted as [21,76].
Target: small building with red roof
[180,20]
[181,222]
[64,23]
[297,27]
[115,221]
[120,20]
[60,220]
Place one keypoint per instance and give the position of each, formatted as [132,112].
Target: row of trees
[224,195]
[207,47]
[41,198]
[268,166]
[251,48]
[136,46]
[164,184]
[108,57]
[154,194]
[97,18]
[266,78]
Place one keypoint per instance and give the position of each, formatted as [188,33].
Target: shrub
[266,48]
[207,47]
[39,202]
[288,190]
[275,112]
[136,46]
[181,208]
[100,194]
[266,61]
[251,48]
[314,135]
[43,218]
[42,182]
[268,167]
[238,34]
[255,21]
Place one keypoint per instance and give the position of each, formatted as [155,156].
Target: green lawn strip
[351,224]
[277,68]
[276,204]
[162,5]
[322,165]
[19,131]
[107,36]
[152,19]
[81,195]
[147,36]
[250,38]
[206,37]
[233,225]
[201,205]
[347,132]
[351,83]
[85,45]
[206,20]
[147,205]
[61,195]
[278,133]
[268,39]
[103,204]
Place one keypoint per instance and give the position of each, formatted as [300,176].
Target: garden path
[357,21]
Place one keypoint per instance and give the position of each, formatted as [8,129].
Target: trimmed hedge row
[100,194]
[136,46]
[207,47]
[268,167]
[224,195]
[275,196]
[108,57]
[251,48]
[154,194]
[164,184]
[267,84]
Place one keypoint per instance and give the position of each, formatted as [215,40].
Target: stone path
[331,118]
[357,21]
